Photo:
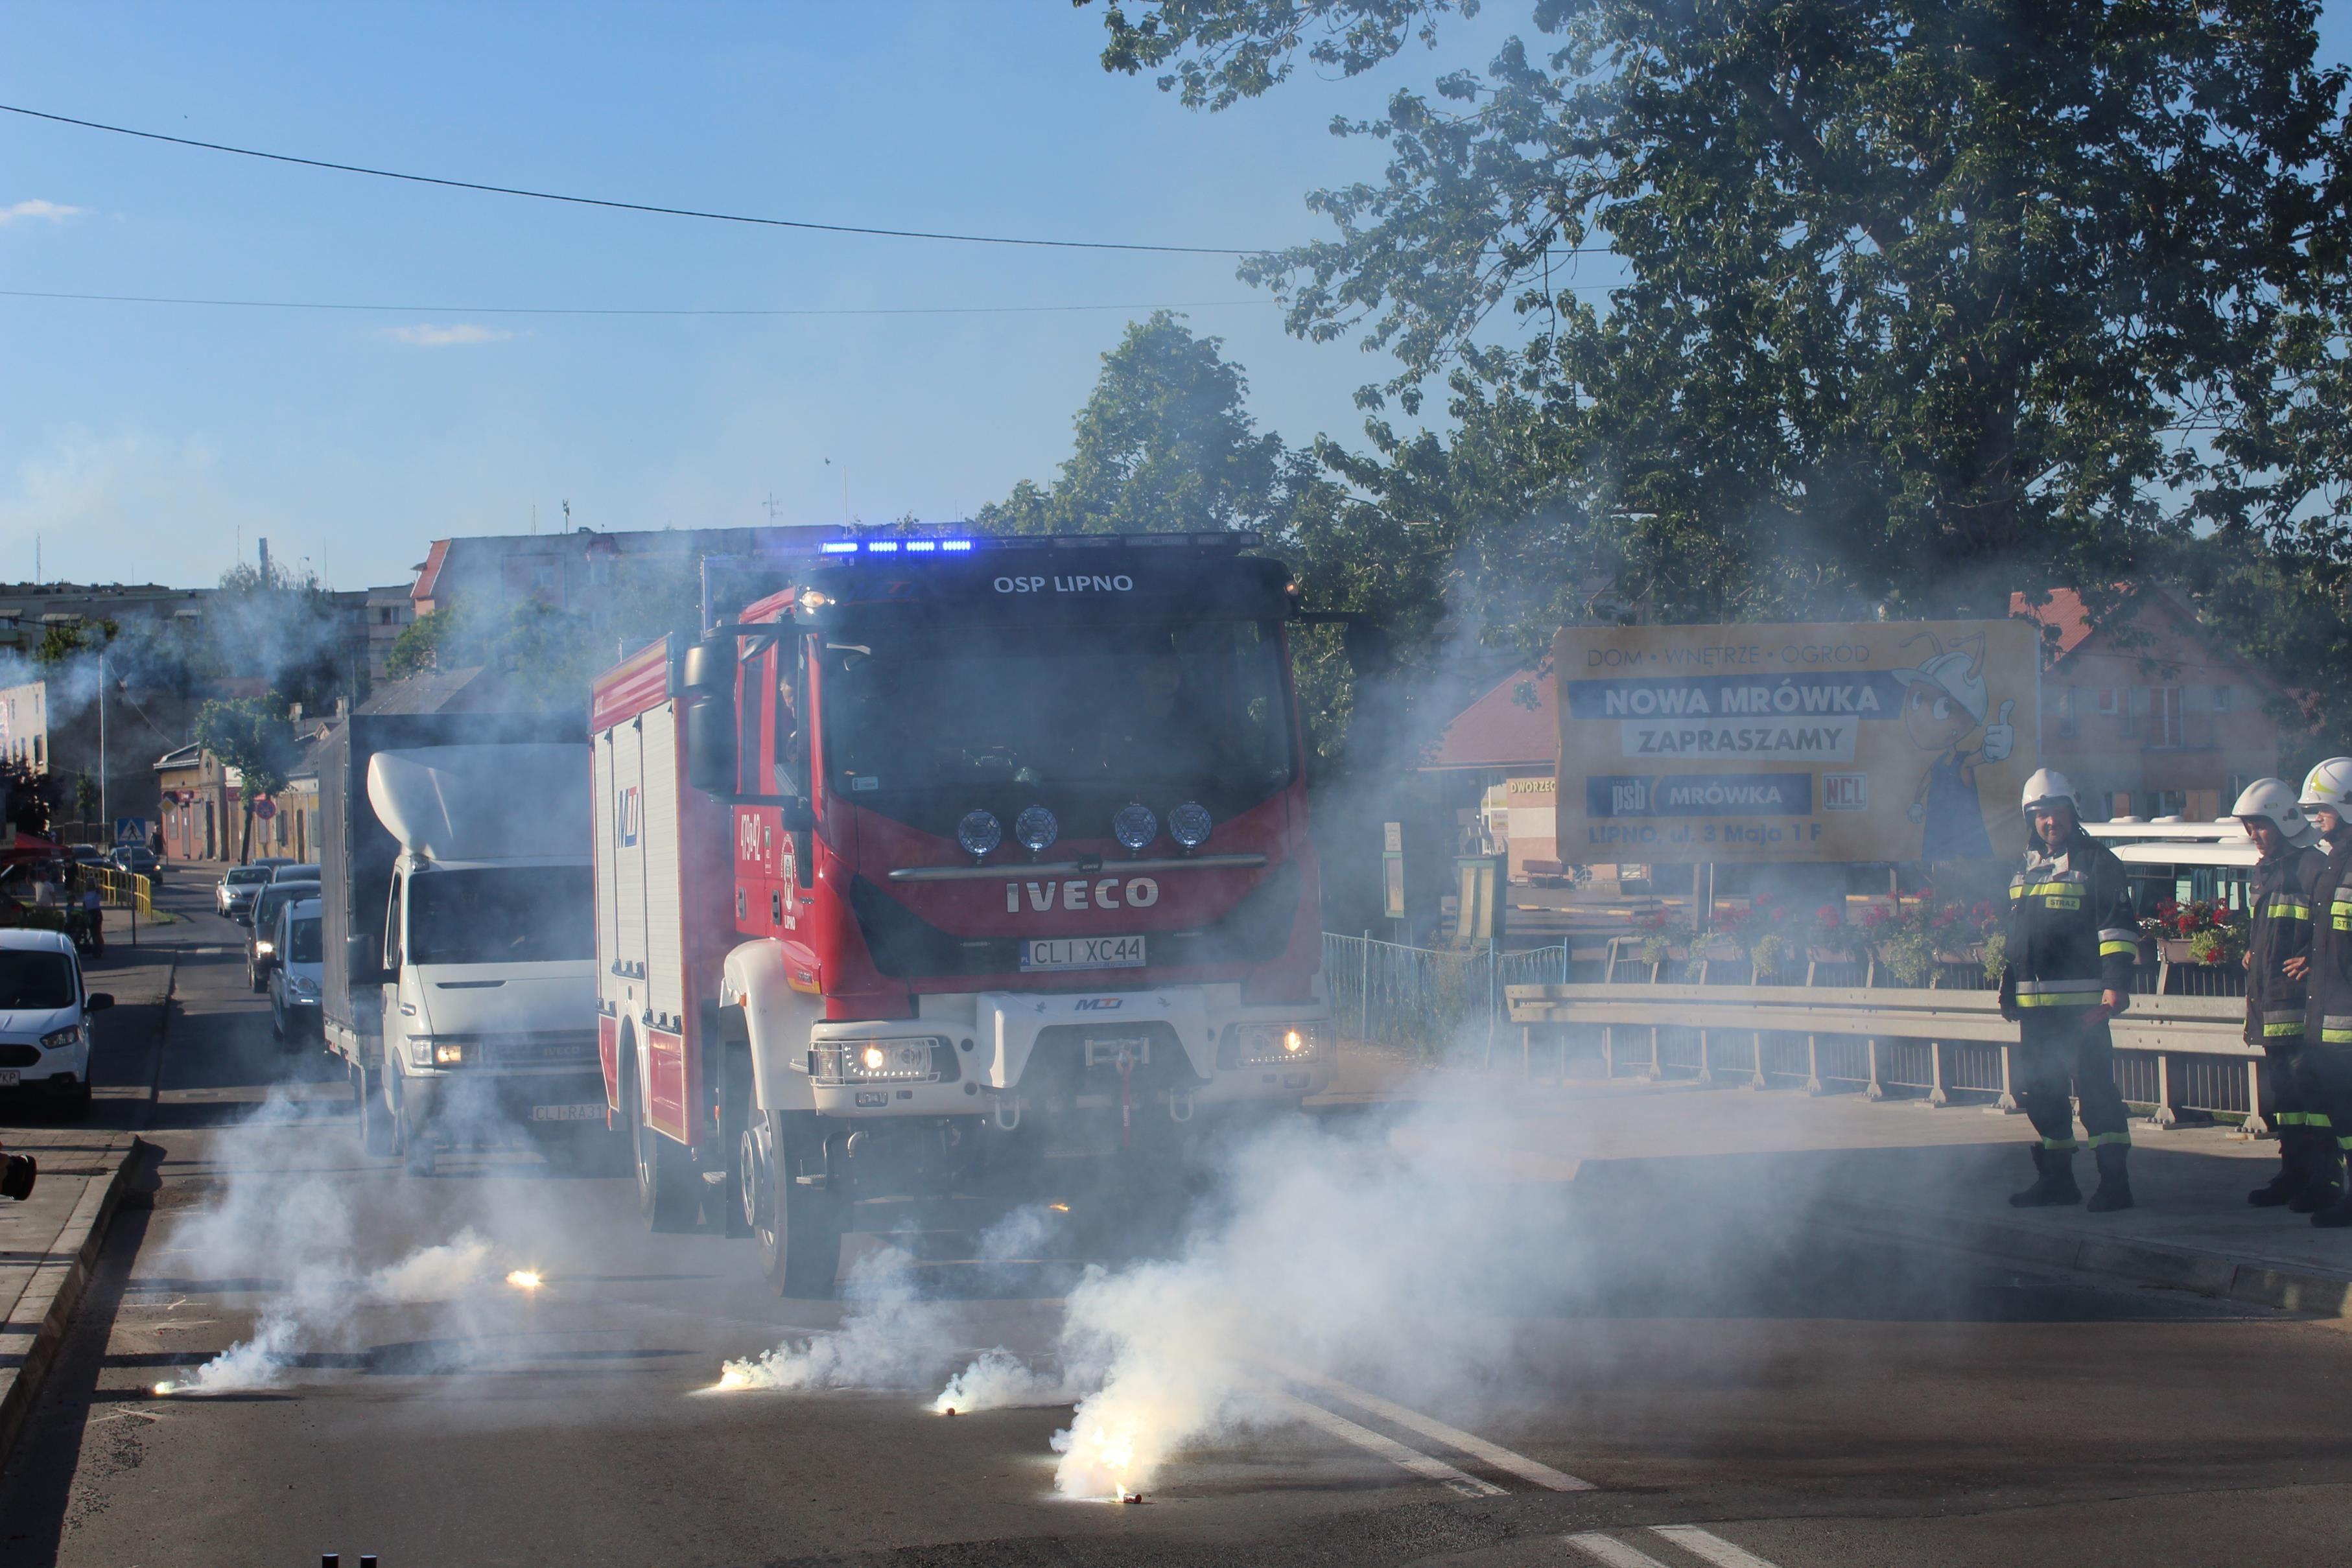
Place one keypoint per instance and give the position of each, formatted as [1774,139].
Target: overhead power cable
[653,208]
[611,310]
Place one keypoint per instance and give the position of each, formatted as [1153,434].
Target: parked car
[45,1021]
[89,855]
[288,871]
[234,894]
[261,941]
[294,981]
[138,860]
[270,863]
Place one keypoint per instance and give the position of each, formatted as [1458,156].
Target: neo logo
[628,816]
[1100,1004]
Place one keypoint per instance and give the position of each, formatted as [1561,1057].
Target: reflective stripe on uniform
[2278,1024]
[2047,890]
[2057,993]
[2335,1028]
[2341,910]
[2318,1119]
[2101,1140]
[2059,1146]
[2289,1118]
[2108,948]
[2287,909]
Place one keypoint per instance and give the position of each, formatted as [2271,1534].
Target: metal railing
[2175,1054]
[122,890]
[1430,999]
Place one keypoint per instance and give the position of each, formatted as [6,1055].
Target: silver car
[234,894]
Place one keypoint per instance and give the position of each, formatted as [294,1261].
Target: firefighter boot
[2323,1174]
[2054,1183]
[2337,1215]
[2294,1166]
[2115,1182]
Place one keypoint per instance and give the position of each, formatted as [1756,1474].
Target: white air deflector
[484,802]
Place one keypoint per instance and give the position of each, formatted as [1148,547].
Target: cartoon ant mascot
[1944,702]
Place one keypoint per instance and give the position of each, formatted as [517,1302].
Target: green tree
[1163,445]
[1922,301]
[255,735]
[63,641]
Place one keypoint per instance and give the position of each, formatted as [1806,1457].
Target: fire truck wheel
[798,1227]
[374,1114]
[669,1190]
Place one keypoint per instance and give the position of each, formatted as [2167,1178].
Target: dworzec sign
[1870,741]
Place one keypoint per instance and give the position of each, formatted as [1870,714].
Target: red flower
[1830,914]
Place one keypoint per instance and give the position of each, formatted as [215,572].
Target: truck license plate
[9,1077]
[567,1112]
[1081,953]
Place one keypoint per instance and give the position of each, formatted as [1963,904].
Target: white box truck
[460,978]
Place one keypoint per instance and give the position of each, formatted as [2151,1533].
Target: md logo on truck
[628,816]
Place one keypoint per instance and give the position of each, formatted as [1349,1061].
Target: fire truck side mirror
[710,716]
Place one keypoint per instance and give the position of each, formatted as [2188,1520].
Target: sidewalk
[48,1244]
[1892,1168]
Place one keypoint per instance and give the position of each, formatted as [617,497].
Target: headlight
[1188,824]
[436,1053]
[260,947]
[1035,828]
[875,1061]
[1269,1044]
[1135,826]
[980,832]
[58,1038]
[301,986]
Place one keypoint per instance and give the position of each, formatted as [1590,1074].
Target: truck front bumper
[469,1102]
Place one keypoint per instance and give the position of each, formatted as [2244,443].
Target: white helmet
[2047,787]
[2329,783]
[2273,800]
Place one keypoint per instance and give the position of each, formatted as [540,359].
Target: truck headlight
[1269,1044]
[436,1053]
[1188,824]
[58,1038]
[875,1061]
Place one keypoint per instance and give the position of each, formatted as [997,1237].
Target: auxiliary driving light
[1188,824]
[1135,826]
[980,832]
[1266,1045]
[878,1060]
[1036,829]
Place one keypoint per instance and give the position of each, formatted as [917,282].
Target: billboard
[1879,740]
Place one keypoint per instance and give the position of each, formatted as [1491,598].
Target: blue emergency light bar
[1223,539]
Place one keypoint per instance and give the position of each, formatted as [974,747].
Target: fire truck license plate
[567,1112]
[1082,953]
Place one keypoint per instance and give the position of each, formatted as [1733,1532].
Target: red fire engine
[943,852]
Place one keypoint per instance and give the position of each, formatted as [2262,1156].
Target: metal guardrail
[1426,999]
[2175,1053]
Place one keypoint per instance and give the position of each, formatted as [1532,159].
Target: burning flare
[524,1280]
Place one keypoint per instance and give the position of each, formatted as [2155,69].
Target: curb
[55,1291]
[2191,1269]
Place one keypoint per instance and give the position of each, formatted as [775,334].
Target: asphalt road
[1733,1391]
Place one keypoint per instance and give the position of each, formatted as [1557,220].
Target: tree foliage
[1914,302]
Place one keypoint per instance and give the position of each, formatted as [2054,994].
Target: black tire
[669,1190]
[417,1155]
[377,1134]
[798,1227]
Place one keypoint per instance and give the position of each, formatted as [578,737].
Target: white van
[45,1021]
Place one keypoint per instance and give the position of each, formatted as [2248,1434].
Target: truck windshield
[35,981]
[502,915]
[1181,705]
[303,946]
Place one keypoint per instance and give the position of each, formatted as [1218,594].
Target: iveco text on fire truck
[947,852]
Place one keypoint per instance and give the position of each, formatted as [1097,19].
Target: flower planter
[2181,950]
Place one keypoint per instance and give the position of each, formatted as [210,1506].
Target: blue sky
[148,442]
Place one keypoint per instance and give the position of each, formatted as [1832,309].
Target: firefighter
[2277,958]
[2071,944]
[2324,1065]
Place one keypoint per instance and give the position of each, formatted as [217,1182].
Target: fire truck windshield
[1188,706]
[502,915]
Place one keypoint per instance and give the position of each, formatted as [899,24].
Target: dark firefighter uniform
[2323,1067]
[2279,899]
[2071,936]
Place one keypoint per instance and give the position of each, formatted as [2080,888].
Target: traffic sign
[131,830]
[264,808]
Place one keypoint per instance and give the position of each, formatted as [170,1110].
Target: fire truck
[934,857]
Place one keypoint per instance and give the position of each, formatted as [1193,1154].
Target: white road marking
[1610,1550]
[1714,1548]
[1388,1449]
[1470,1443]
